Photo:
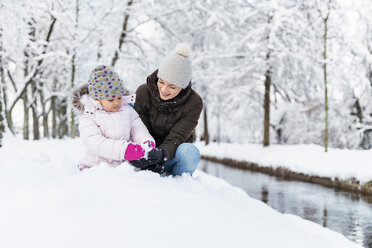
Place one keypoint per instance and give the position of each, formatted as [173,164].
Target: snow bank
[309,159]
[46,202]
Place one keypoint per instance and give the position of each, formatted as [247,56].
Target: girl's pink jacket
[106,135]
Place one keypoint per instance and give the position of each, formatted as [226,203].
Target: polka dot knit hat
[104,83]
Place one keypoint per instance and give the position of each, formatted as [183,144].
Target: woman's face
[167,90]
[111,105]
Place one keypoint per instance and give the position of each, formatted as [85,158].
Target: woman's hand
[156,156]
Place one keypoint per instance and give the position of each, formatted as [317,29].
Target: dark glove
[142,163]
[159,155]
[156,156]
[157,168]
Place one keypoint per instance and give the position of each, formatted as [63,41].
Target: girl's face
[167,90]
[111,105]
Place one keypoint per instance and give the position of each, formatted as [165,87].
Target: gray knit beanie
[176,67]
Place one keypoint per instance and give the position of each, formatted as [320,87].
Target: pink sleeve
[139,132]
[98,144]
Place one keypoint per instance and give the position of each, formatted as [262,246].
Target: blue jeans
[186,159]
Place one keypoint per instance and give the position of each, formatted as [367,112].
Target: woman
[170,109]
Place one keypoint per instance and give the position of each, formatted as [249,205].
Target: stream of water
[343,212]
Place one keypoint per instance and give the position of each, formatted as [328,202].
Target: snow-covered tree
[259,66]
[2,81]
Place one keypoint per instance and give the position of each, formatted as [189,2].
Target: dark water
[343,212]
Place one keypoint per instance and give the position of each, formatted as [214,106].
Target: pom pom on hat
[176,67]
[183,49]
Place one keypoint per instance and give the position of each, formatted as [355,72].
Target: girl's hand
[134,152]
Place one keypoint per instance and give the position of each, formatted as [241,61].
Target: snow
[47,202]
[309,159]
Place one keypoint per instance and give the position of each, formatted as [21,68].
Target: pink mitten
[134,152]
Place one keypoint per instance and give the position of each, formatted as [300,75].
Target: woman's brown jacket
[170,122]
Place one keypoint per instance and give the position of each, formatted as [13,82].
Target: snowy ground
[46,202]
[308,159]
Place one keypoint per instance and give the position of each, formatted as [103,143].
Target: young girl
[110,129]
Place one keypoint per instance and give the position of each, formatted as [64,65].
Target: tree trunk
[44,114]
[72,124]
[206,134]
[2,119]
[54,117]
[325,20]
[62,114]
[266,140]
[359,111]
[45,125]
[218,138]
[123,34]
[99,50]
[2,82]
[35,115]
[35,121]
[25,116]
[73,70]
[8,114]
[3,96]
[28,57]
